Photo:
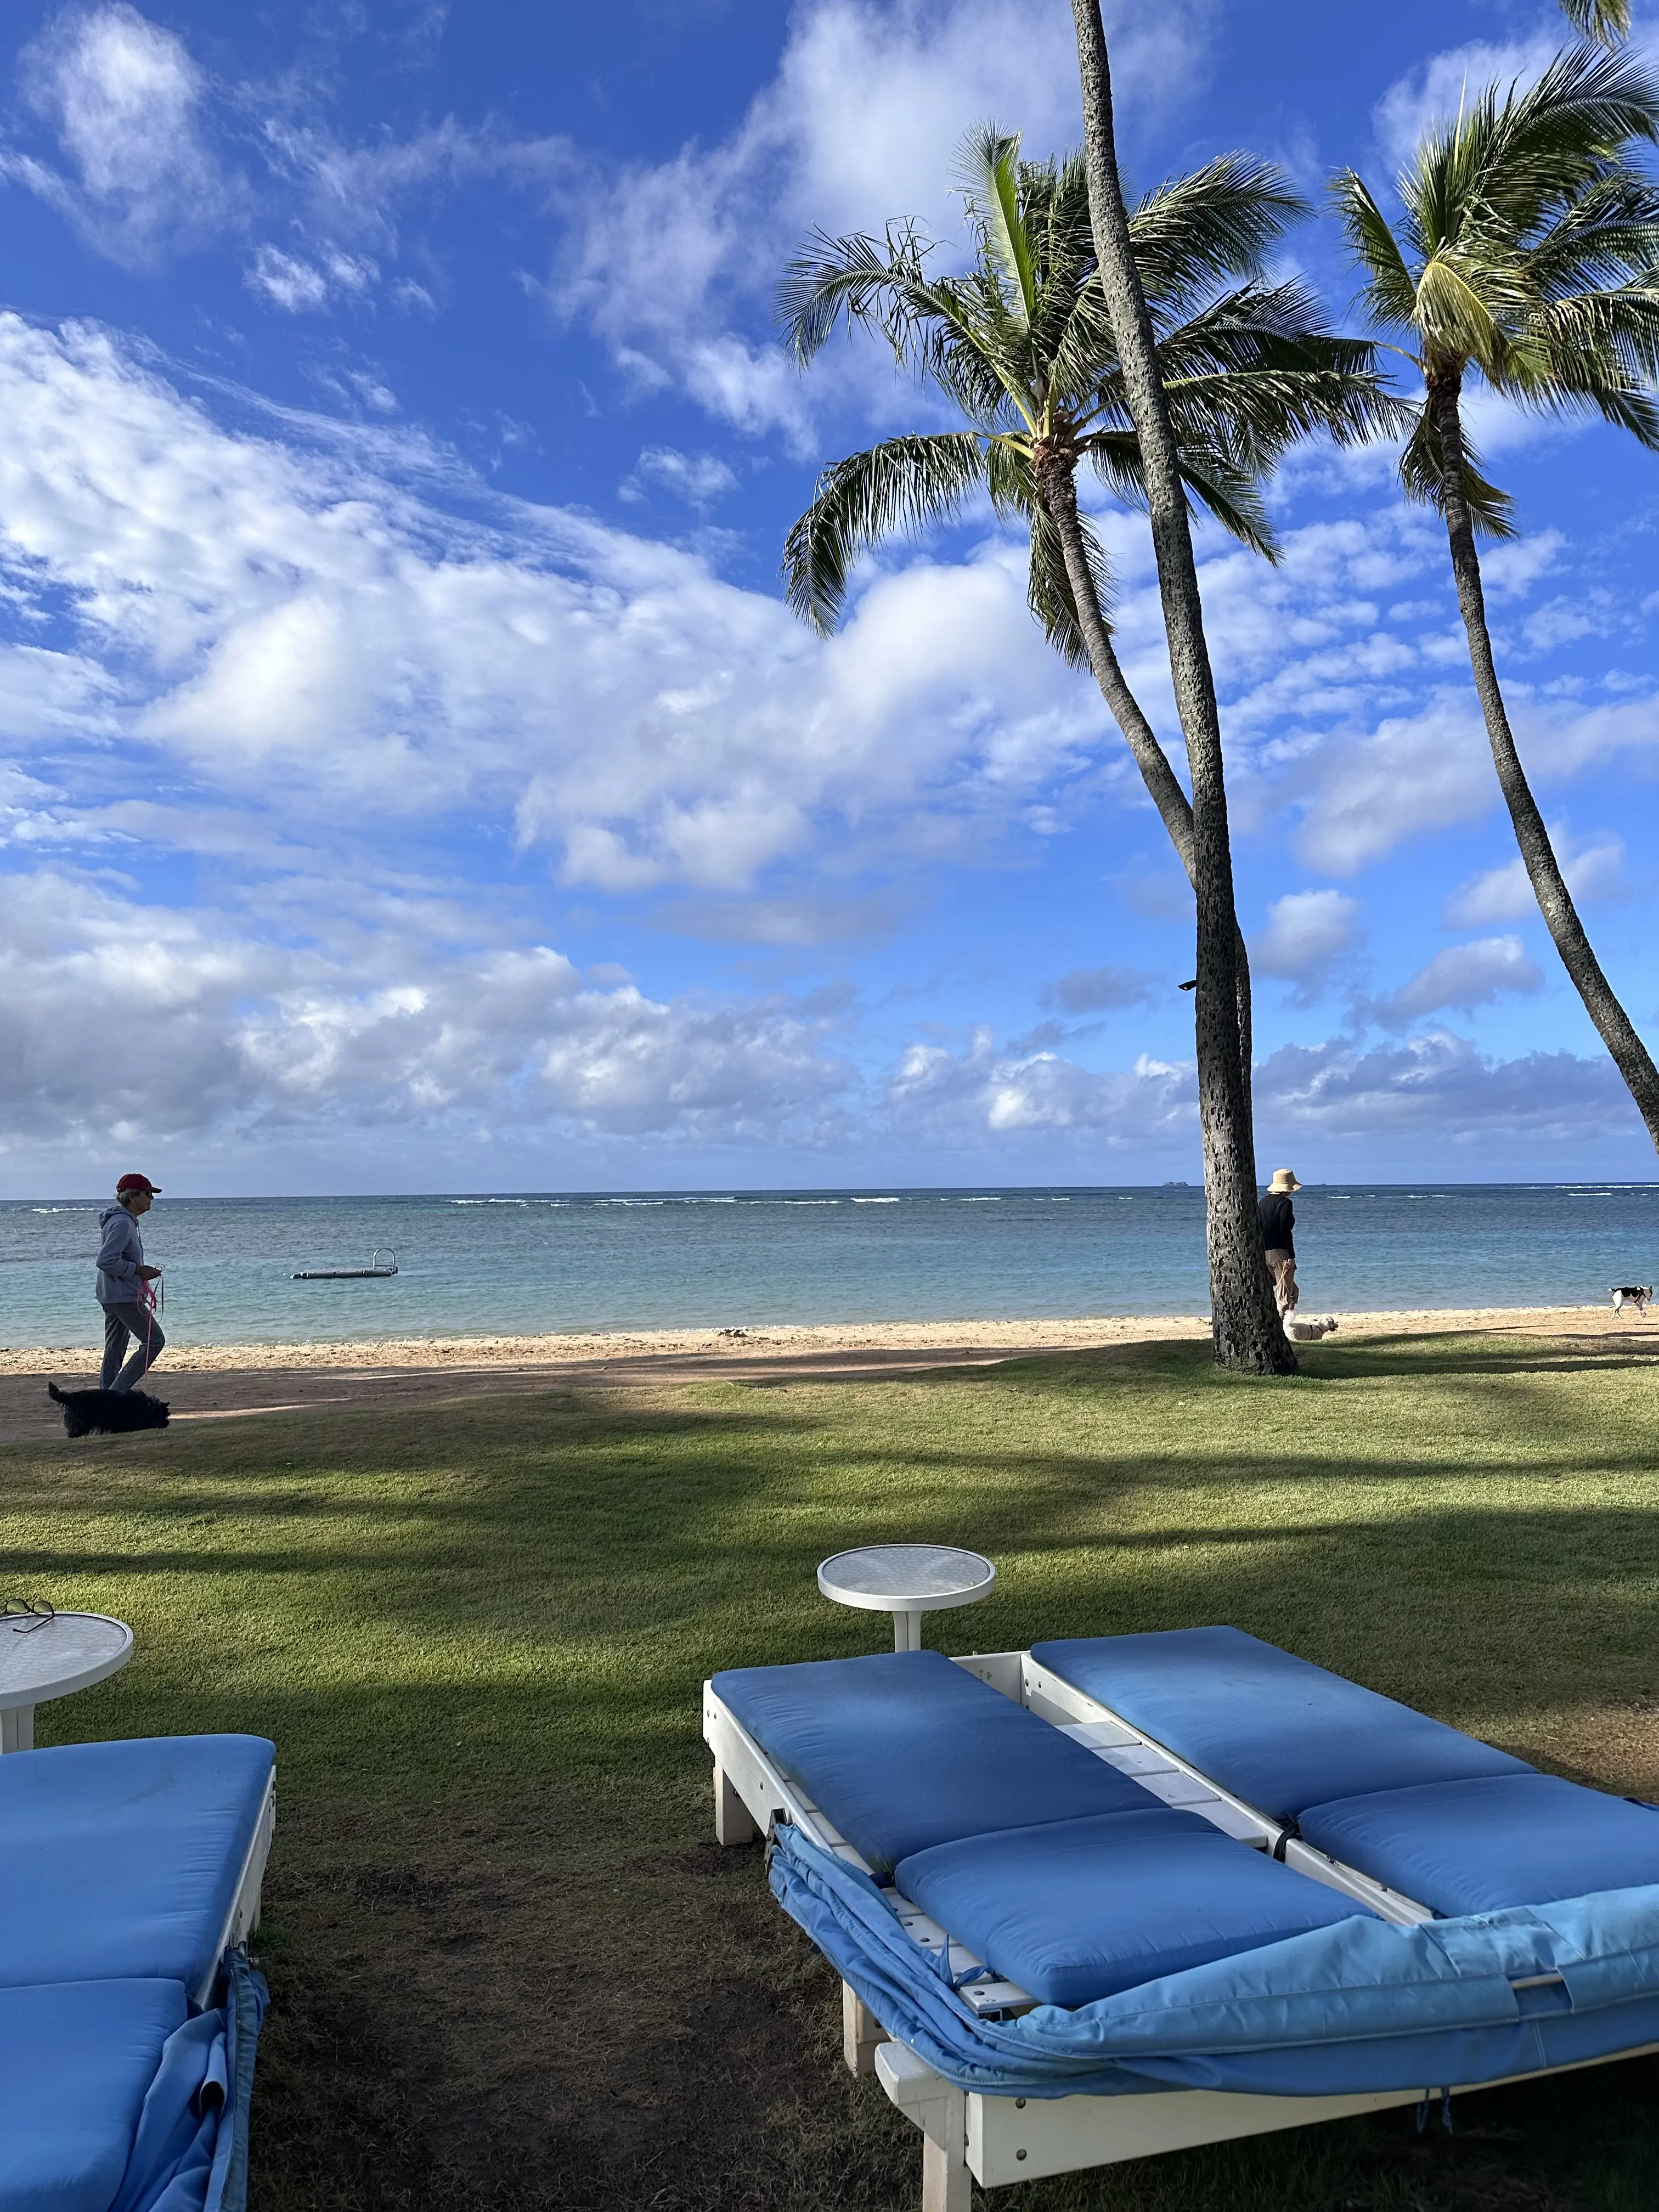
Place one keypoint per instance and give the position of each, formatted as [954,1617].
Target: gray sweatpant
[120,1324]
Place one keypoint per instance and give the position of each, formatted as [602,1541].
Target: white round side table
[906,1580]
[41,1659]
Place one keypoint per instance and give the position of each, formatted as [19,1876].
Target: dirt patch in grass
[554,2010]
[550,2009]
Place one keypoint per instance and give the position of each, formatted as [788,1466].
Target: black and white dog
[108,1413]
[1639,1295]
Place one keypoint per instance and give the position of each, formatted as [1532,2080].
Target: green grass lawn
[509,1966]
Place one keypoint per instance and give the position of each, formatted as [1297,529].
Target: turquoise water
[524,1265]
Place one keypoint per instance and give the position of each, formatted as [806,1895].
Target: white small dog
[1308,1332]
[1639,1295]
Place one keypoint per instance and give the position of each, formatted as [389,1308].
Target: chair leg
[861,2032]
[733,1823]
[946,2183]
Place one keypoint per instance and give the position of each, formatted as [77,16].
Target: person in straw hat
[1278,1218]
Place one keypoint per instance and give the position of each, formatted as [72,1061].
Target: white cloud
[1363,794]
[347,203]
[1412,773]
[231,1037]
[1509,572]
[1429,96]
[1306,936]
[673,263]
[1463,977]
[1438,1091]
[238,1040]
[299,287]
[980,1092]
[697,479]
[1594,871]
[128,106]
[278,621]
[153,159]
[1385,1104]
[356,192]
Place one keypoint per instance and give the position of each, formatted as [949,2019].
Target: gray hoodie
[119,1258]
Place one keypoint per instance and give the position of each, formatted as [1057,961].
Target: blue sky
[411,777]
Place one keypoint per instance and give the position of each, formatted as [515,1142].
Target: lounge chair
[1086,1938]
[131,1874]
[1353,1778]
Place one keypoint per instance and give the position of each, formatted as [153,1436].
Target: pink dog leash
[151,1296]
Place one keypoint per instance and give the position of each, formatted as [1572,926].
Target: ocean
[525,1264]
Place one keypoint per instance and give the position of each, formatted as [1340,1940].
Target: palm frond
[1233,496]
[1254,372]
[839,279]
[1599,353]
[1222,220]
[1214,478]
[1260,413]
[1516,154]
[1605,19]
[1422,478]
[1608,236]
[1462,308]
[1048,586]
[896,488]
[1389,294]
[989,163]
[1009,477]
[1611,333]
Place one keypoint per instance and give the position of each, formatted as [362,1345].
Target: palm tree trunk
[1057,488]
[1245,1324]
[1617,1031]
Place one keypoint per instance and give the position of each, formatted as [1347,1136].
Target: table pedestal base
[907,1631]
[17,1728]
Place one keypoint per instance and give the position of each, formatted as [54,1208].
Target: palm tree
[1020,345]
[1245,1323]
[1528,256]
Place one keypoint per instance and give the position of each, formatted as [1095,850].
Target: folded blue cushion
[1478,1846]
[122,1859]
[1079,1910]
[76,2061]
[905,1749]
[1278,1731]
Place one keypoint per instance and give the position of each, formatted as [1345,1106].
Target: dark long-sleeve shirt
[1278,1218]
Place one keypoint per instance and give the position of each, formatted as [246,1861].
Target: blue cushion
[122,1859]
[76,2063]
[1081,1909]
[905,1749]
[1479,1846]
[1278,1731]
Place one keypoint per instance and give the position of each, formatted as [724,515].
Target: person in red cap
[121,1275]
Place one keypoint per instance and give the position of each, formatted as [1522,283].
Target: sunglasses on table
[25,1613]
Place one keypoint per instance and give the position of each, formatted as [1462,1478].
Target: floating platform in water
[374,1271]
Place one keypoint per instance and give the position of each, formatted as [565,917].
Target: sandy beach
[222,1382]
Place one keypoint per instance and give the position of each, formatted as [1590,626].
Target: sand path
[224,1381]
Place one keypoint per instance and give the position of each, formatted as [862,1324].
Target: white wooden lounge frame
[969,2137]
[243,1917]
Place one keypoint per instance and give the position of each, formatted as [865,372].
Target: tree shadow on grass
[578,2009]
[1429,1356]
[508,1969]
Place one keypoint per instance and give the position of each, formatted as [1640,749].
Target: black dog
[108,1413]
